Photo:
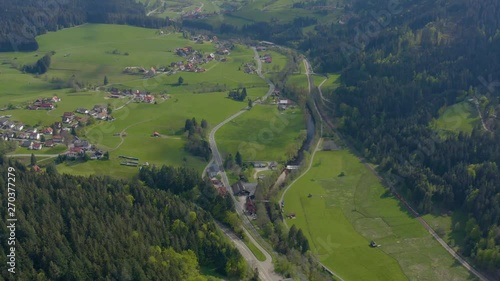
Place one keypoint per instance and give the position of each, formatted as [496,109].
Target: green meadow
[273,11]
[344,213]
[278,63]
[460,117]
[85,53]
[262,133]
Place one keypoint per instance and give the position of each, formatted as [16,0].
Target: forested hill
[21,21]
[403,64]
[98,228]
[400,72]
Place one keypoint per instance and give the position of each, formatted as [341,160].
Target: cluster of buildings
[99,112]
[44,103]
[137,95]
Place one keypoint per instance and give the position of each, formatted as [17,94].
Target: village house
[27,144]
[46,106]
[3,121]
[58,139]
[244,189]
[56,99]
[22,135]
[19,126]
[8,135]
[36,146]
[100,109]
[213,170]
[9,125]
[82,110]
[85,145]
[68,117]
[34,136]
[49,143]
[149,99]
[75,152]
[47,131]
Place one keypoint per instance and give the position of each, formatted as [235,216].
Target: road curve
[266,267]
[259,72]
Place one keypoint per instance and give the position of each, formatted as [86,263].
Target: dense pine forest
[21,21]
[99,228]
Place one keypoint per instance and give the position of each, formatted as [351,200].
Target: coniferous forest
[21,21]
[99,228]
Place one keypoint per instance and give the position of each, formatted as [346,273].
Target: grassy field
[85,52]
[273,10]
[263,133]
[345,213]
[278,63]
[460,117]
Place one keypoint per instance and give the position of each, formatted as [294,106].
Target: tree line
[99,228]
[21,21]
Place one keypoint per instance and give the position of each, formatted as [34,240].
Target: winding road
[266,267]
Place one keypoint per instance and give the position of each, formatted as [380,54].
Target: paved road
[259,72]
[417,215]
[266,268]
[29,155]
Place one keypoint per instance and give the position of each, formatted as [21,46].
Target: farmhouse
[56,99]
[240,189]
[267,58]
[149,99]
